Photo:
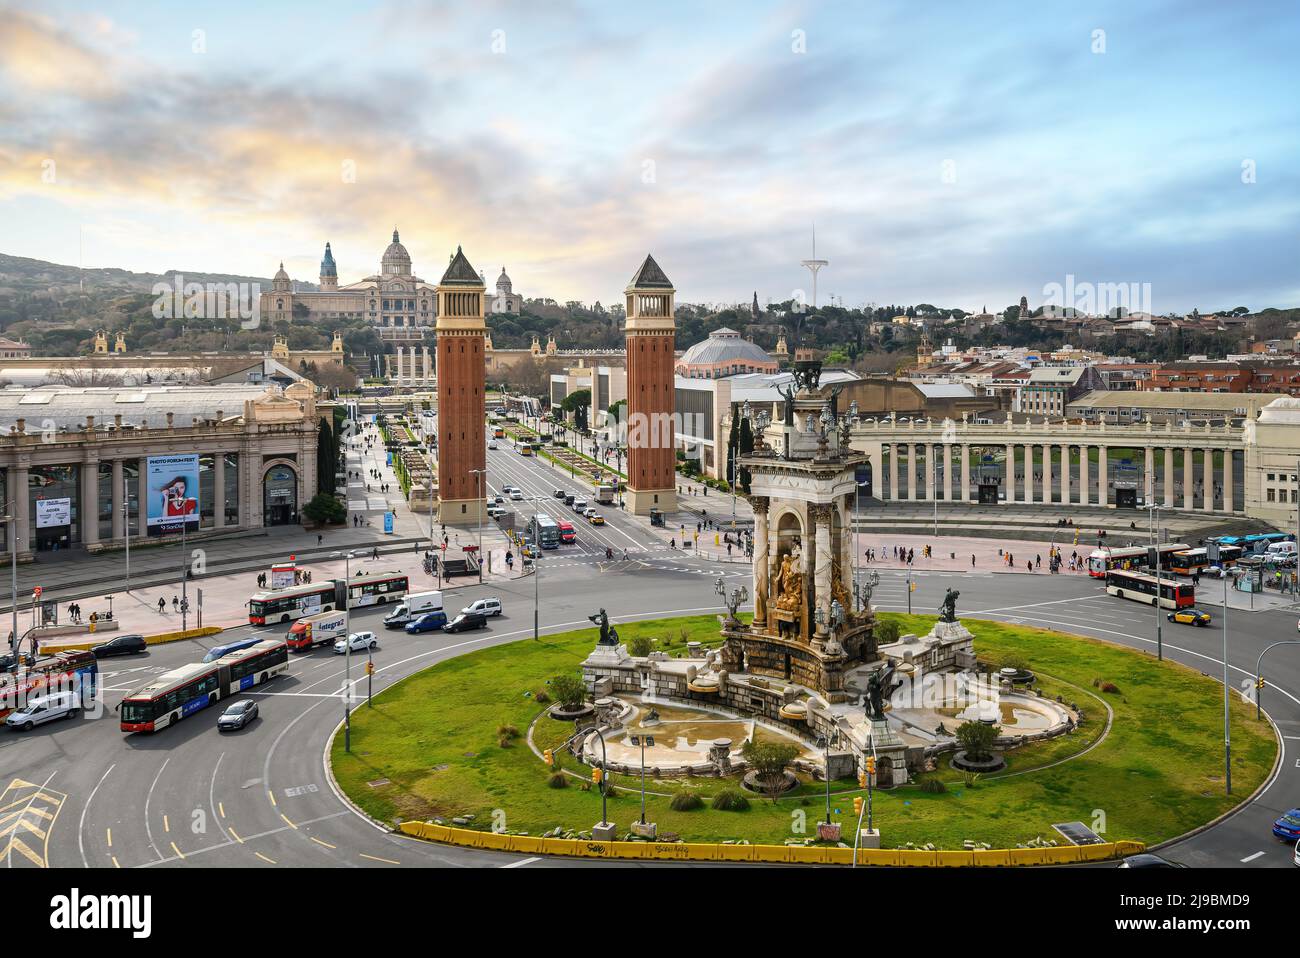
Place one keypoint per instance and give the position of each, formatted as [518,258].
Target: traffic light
[871,764]
[862,779]
[548,757]
[1259,683]
[370,668]
[596,776]
[911,587]
[857,805]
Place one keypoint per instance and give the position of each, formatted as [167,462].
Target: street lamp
[480,478]
[10,520]
[347,648]
[642,741]
[824,742]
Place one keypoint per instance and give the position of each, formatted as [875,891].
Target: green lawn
[1157,773]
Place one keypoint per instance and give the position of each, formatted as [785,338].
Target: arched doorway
[279,495]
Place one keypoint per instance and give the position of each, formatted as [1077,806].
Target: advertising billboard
[53,512]
[173,489]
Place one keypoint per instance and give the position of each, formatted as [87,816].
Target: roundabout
[1140,764]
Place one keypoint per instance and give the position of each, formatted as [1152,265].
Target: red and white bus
[1142,588]
[285,605]
[172,696]
[62,672]
[1103,560]
[1192,561]
[376,588]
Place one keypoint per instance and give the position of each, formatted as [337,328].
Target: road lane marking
[319,842]
[81,825]
[16,814]
[522,862]
[115,863]
[179,853]
[271,831]
[147,800]
[221,809]
[167,825]
[236,834]
[271,796]
[287,822]
[388,861]
[1251,858]
[269,861]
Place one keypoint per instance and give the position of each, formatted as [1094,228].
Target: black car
[237,715]
[1147,860]
[120,645]
[7,663]
[466,621]
[568,498]
[560,494]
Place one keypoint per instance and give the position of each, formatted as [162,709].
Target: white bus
[285,605]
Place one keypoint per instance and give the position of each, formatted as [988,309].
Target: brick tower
[651,438]
[462,448]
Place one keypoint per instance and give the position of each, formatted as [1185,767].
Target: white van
[45,708]
[1282,550]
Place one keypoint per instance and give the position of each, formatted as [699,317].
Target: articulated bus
[62,672]
[172,696]
[1255,543]
[1102,561]
[284,605]
[1142,588]
[1192,561]
[376,588]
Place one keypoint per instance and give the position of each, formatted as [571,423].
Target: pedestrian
[319,538]
[972,560]
[162,605]
[175,603]
[374,555]
[1030,565]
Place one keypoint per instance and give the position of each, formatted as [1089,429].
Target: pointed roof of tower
[650,276]
[460,272]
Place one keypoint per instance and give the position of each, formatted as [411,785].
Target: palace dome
[396,261]
[725,346]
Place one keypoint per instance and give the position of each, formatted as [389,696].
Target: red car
[567,533]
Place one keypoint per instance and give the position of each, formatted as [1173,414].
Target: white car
[492,444]
[516,495]
[360,641]
[490,606]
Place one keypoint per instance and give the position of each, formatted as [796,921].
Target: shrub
[504,741]
[1110,687]
[325,508]
[557,779]
[768,760]
[730,800]
[1015,661]
[640,645]
[569,690]
[886,631]
[541,697]
[686,802]
[971,779]
[977,739]
[933,786]
[507,731]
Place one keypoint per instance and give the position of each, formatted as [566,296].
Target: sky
[949,153]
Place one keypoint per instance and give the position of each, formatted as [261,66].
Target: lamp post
[1227,733]
[643,741]
[12,520]
[126,524]
[480,476]
[347,649]
[1155,525]
[824,742]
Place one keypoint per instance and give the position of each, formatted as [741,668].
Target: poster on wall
[53,512]
[173,486]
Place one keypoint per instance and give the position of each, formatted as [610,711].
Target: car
[560,494]
[428,622]
[44,708]
[516,495]
[568,535]
[7,663]
[594,517]
[1296,858]
[466,621]
[359,641]
[1288,826]
[568,498]
[492,444]
[490,606]
[120,645]
[237,715]
[1147,860]
[499,500]
[1189,616]
[579,506]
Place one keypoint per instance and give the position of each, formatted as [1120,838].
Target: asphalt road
[89,796]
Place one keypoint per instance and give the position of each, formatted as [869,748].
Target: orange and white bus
[1192,561]
[1103,560]
[285,605]
[376,588]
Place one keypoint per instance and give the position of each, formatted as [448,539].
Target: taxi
[1189,617]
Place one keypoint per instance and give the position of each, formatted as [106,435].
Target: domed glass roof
[724,346]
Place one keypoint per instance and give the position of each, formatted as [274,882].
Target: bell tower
[651,397]
[462,449]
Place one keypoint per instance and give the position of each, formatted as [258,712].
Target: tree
[325,509]
[768,761]
[327,461]
[577,403]
[977,739]
[569,691]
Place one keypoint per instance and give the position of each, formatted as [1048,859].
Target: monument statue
[879,689]
[789,586]
[608,635]
[948,611]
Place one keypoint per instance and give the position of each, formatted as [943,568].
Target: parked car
[7,661]
[429,622]
[44,708]
[490,606]
[1296,857]
[1288,826]
[1147,860]
[360,641]
[120,645]
[568,498]
[1189,617]
[466,621]
[237,715]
